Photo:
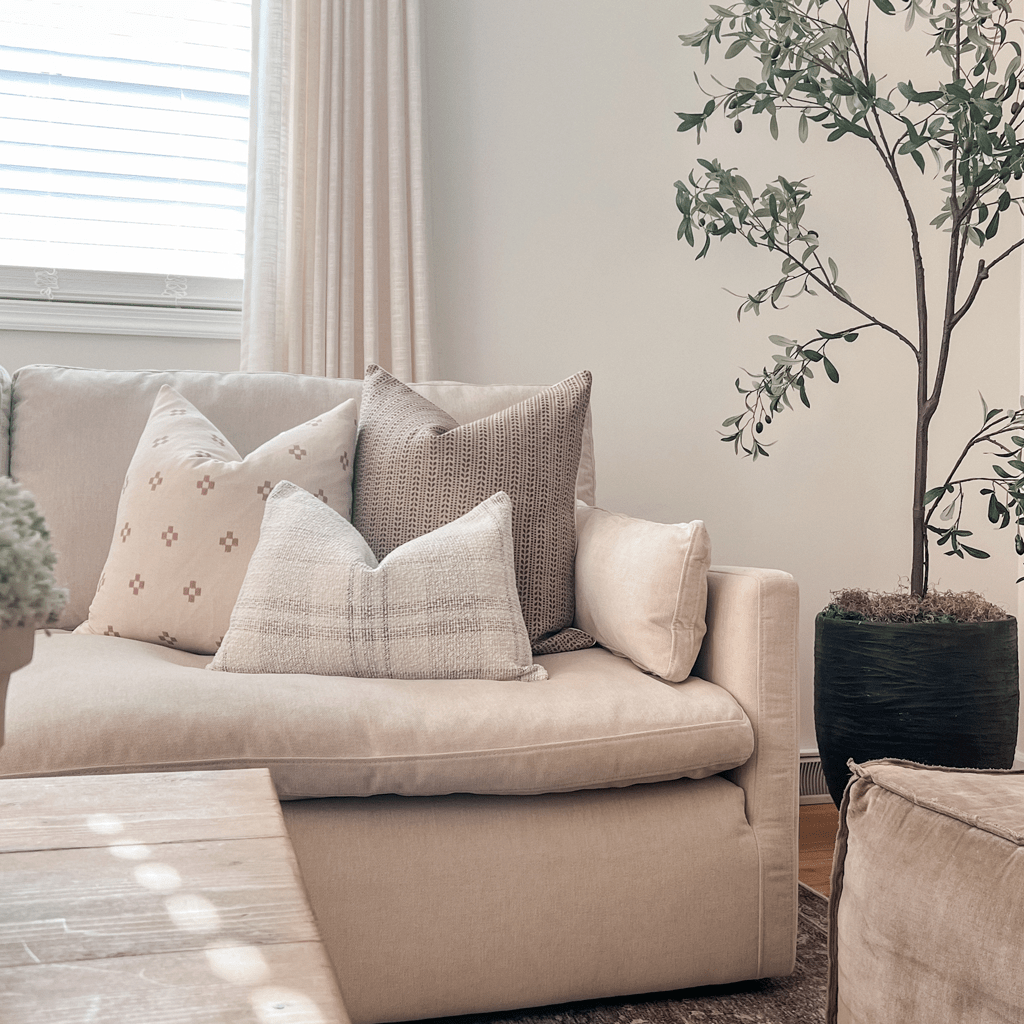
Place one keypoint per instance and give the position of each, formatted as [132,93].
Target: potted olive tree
[29,597]
[920,675]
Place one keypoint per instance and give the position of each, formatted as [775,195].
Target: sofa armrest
[750,649]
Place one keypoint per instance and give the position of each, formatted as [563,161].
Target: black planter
[933,692]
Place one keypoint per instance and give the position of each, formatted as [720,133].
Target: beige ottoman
[926,917]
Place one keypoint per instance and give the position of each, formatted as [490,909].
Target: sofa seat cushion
[93,704]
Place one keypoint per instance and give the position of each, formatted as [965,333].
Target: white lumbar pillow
[189,519]
[441,606]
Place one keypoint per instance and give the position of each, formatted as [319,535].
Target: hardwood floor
[818,826]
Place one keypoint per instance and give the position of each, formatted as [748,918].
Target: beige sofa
[466,845]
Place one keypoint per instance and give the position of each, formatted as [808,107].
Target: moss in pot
[932,680]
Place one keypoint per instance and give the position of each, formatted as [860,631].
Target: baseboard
[813,789]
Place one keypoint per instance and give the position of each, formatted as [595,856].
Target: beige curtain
[335,272]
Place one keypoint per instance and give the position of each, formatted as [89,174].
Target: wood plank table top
[168,897]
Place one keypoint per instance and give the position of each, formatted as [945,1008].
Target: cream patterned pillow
[443,606]
[189,519]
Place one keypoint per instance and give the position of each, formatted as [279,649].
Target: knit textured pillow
[315,599]
[417,469]
[189,518]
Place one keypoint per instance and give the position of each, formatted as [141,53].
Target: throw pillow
[642,588]
[315,599]
[417,469]
[189,518]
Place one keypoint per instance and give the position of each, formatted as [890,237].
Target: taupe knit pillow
[443,606]
[417,469]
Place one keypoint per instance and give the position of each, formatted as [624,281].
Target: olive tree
[813,63]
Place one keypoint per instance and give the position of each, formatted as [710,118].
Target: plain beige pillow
[442,606]
[642,588]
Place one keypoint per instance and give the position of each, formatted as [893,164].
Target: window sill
[103,318]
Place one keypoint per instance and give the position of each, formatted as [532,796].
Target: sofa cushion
[642,588]
[443,606]
[417,468]
[73,432]
[597,722]
[189,519]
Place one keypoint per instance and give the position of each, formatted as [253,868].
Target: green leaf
[1018,543]
[833,373]
[833,269]
[918,159]
[933,495]
[737,47]
[993,226]
[974,552]
[885,6]
[802,128]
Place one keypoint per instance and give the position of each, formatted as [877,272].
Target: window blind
[123,145]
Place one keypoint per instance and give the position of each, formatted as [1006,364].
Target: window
[123,145]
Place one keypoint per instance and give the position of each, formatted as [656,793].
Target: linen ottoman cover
[926,917]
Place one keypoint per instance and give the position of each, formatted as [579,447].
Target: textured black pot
[933,692]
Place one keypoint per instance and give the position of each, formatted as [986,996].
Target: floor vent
[813,788]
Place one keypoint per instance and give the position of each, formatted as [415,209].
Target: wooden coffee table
[170,897]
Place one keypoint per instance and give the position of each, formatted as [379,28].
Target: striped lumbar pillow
[315,599]
[417,469]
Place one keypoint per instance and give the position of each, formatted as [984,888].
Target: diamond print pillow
[443,606]
[189,519]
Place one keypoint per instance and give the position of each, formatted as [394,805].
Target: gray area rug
[798,999]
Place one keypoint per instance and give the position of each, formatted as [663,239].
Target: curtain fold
[336,274]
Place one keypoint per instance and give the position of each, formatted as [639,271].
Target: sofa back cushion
[73,433]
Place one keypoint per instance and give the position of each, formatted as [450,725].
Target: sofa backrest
[73,432]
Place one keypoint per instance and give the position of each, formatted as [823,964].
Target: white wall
[115,351]
[553,153]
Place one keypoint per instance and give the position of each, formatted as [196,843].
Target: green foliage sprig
[814,63]
[28,593]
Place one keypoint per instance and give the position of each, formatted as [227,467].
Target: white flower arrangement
[28,592]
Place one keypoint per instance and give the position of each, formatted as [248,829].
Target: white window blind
[123,145]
